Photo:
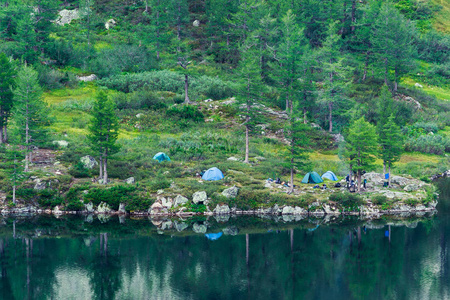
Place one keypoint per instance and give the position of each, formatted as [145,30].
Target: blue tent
[213,174]
[213,236]
[160,156]
[329,175]
[312,177]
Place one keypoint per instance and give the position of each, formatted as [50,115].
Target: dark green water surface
[249,258]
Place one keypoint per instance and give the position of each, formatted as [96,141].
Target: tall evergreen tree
[103,132]
[393,41]
[13,167]
[6,95]
[391,143]
[361,147]
[29,109]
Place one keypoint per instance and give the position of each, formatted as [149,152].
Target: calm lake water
[239,258]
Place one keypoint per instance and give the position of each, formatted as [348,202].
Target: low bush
[79,171]
[186,112]
[112,196]
[347,200]
[433,144]
[379,199]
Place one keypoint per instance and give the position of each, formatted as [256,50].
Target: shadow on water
[227,258]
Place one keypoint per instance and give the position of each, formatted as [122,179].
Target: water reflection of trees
[344,261]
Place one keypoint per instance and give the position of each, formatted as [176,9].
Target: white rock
[199,197]
[231,192]
[122,208]
[61,143]
[88,162]
[130,180]
[222,209]
[166,202]
[288,210]
[196,23]
[180,200]
[110,24]
[103,208]
[66,16]
[418,85]
[87,78]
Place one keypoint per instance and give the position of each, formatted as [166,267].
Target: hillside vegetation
[263,67]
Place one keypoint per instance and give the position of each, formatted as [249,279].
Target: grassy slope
[442,18]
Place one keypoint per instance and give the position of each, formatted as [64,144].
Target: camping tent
[329,175]
[312,177]
[212,174]
[160,156]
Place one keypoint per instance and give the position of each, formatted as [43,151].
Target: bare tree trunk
[389,174]
[291,190]
[1,135]
[14,192]
[27,141]
[395,80]
[157,32]
[384,168]
[359,181]
[186,88]
[247,150]
[100,173]
[330,116]
[350,176]
[179,22]
[366,64]
[385,70]
[5,131]
[105,172]
[353,15]
[287,102]
[304,115]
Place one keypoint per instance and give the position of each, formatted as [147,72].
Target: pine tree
[391,142]
[361,147]
[103,132]
[29,109]
[13,167]
[393,40]
[289,61]
[385,107]
[297,134]
[6,95]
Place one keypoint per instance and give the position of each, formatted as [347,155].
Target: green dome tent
[160,156]
[312,177]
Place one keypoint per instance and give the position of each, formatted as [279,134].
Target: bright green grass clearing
[438,92]
[442,18]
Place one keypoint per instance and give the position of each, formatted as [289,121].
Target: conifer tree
[393,41]
[6,95]
[29,109]
[13,167]
[297,134]
[385,107]
[391,143]
[103,132]
[361,147]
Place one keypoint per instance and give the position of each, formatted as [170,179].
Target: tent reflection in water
[213,236]
[161,156]
[312,177]
[212,174]
[329,175]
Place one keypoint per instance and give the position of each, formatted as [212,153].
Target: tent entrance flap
[312,177]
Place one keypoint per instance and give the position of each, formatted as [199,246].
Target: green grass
[442,18]
[439,92]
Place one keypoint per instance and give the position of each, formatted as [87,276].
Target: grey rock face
[222,209]
[199,197]
[66,16]
[180,200]
[231,192]
[88,162]
[89,207]
[411,187]
[40,185]
[62,143]
[232,230]
[122,208]
[300,211]
[103,208]
[130,180]
[110,24]
[288,210]
[166,202]
[199,228]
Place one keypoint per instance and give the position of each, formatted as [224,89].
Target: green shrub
[379,199]
[433,144]
[113,196]
[347,200]
[197,208]
[158,184]
[411,202]
[138,204]
[186,112]
[79,171]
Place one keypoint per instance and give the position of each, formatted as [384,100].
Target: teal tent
[160,156]
[329,175]
[312,177]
